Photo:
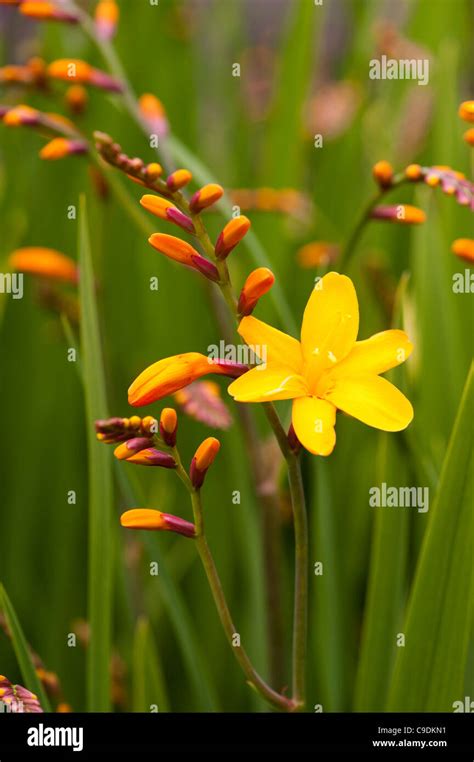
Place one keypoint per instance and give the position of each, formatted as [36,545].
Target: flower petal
[330,323]
[274,382]
[313,421]
[271,345]
[373,400]
[376,355]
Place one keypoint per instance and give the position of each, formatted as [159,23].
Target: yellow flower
[328,369]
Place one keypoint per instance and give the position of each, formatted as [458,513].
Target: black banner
[84,736]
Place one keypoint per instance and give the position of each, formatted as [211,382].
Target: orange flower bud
[203,458]
[166,210]
[76,98]
[169,426]
[383,173]
[466,111]
[153,113]
[413,172]
[106,19]
[59,148]
[205,197]
[317,254]
[464,248]
[76,70]
[146,518]
[257,284]
[131,446]
[469,136]
[47,263]
[183,252]
[153,171]
[172,373]
[15,74]
[22,115]
[178,179]
[231,235]
[46,11]
[403,213]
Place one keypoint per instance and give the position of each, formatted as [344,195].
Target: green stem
[300,620]
[253,678]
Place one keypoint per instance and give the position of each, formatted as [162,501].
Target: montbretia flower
[47,11]
[258,283]
[59,148]
[466,111]
[106,19]
[22,116]
[168,426]
[327,369]
[182,252]
[178,179]
[147,518]
[202,401]
[18,699]
[169,375]
[205,197]
[203,458]
[76,70]
[166,210]
[464,248]
[154,114]
[403,213]
[131,446]
[231,235]
[47,263]
[383,173]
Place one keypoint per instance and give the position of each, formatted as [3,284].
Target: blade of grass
[429,670]
[148,684]
[22,651]
[100,485]
[385,589]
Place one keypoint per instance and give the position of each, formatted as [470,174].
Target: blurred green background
[304,71]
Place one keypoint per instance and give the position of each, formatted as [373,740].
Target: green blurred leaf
[100,485]
[22,651]
[429,670]
[148,684]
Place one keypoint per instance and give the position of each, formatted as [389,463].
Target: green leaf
[100,485]
[387,579]
[22,651]
[429,670]
[148,683]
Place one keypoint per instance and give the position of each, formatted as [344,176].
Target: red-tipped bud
[231,235]
[203,458]
[168,426]
[60,148]
[257,284]
[146,518]
[154,114]
[205,197]
[166,210]
[106,19]
[76,70]
[401,213]
[46,11]
[152,457]
[183,252]
[125,450]
[178,179]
